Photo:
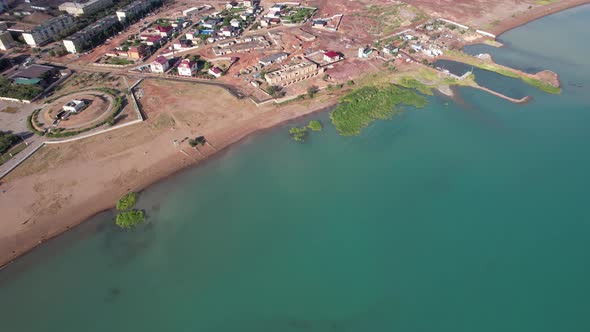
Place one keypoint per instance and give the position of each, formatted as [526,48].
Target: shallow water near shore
[467,216]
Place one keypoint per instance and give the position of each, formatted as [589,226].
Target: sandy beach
[62,185]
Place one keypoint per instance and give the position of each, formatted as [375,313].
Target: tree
[275,91]
[7,140]
[312,90]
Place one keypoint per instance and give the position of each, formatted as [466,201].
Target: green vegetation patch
[543,86]
[130,219]
[412,83]
[127,201]
[362,106]
[298,15]
[7,140]
[119,61]
[298,134]
[315,125]
[18,91]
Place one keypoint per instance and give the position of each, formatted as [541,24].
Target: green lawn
[119,61]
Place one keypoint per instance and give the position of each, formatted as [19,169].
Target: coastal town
[129,90]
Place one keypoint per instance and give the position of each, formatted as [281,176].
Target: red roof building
[186,67]
[215,71]
[160,65]
[332,56]
[164,31]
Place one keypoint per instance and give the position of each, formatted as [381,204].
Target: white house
[231,4]
[364,52]
[227,31]
[187,67]
[390,49]
[215,71]
[235,23]
[273,58]
[160,65]
[74,106]
[332,56]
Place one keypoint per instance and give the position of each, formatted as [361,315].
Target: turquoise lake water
[459,217]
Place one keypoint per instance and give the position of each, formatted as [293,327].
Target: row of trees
[7,140]
[18,91]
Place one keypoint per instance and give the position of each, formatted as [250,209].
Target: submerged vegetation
[127,201]
[130,219]
[298,134]
[362,106]
[315,125]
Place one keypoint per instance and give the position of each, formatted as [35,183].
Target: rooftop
[164,29]
[273,57]
[51,22]
[161,60]
[34,71]
[332,54]
[186,63]
[94,28]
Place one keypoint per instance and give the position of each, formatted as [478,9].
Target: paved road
[236,92]
[34,142]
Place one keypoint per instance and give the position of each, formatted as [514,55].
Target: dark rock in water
[112,294]
[155,207]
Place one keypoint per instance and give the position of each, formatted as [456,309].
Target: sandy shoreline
[30,238]
[135,170]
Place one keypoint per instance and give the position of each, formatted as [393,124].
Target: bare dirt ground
[96,111]
[61,185]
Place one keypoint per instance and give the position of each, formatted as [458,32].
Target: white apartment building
[133,9]
[84,8]
[77,42]
[47,31]
[6,41]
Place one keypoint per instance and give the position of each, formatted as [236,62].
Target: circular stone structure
[98,108]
